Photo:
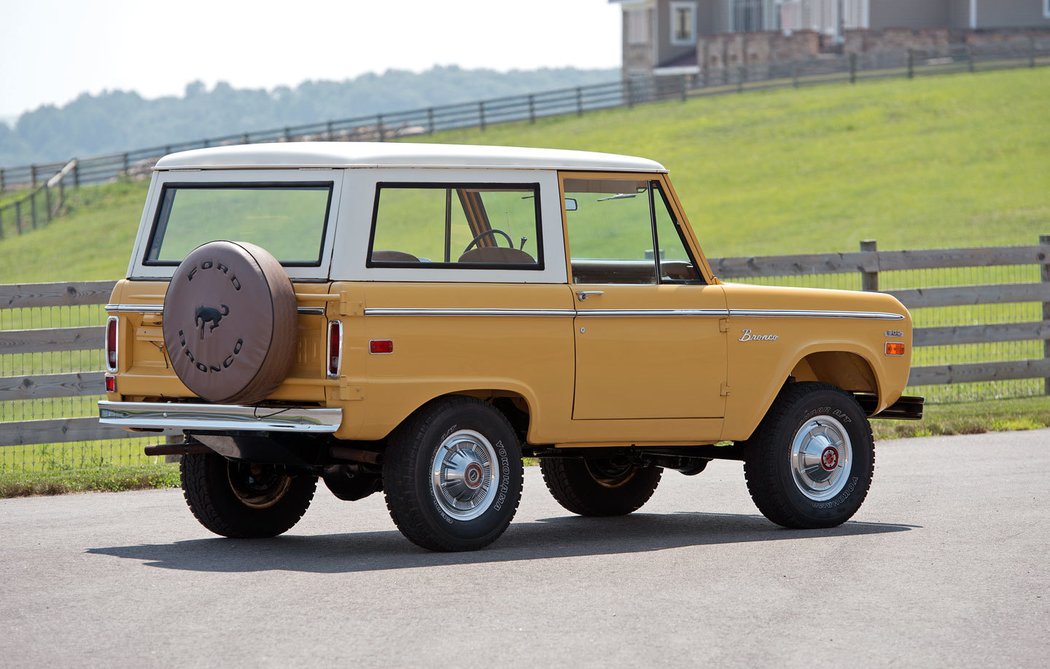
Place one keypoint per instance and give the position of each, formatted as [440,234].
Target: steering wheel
[492,231]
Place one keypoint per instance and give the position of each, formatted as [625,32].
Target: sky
[53,50]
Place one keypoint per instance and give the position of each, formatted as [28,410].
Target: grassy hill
[959,160]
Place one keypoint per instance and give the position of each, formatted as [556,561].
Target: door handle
[584,294]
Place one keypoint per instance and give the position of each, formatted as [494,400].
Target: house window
[683,23]
[637,26]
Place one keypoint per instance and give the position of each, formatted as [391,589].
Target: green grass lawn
[952,161]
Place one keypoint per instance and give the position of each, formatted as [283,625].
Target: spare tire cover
[230,322]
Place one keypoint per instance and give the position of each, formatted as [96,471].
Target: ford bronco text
[414,319]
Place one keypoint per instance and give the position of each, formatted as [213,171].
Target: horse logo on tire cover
[205,315]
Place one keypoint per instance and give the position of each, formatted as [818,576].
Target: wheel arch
[847,367]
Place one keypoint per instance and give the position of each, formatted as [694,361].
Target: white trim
[973,14]
[672,18]
[676,71]
[321,155]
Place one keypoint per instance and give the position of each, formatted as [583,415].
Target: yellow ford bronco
[414,319]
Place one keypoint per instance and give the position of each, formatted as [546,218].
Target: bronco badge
[747,336]
[205,315]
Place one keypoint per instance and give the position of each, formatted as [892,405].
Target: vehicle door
[648,326]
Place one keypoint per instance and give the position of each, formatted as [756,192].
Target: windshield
[288,220]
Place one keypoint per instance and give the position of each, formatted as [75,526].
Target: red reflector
[111,344]
[894,348]
[111,384]
[335,347]
[381,346]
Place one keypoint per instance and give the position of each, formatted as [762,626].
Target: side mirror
[570,204]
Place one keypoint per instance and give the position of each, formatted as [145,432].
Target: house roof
[383,154]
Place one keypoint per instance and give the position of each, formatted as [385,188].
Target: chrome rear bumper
[218,417]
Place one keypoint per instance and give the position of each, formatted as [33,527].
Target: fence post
[3,183]
[61,194]
[869,281]
[683,89]
[47,202]
[1044,275]
[1031,51]
[579,101]
[328,131]
[379,127]
[481,115]
[18,216]
[32,208]
[969,58]
[430,120]
[245,139]
[911,64]
[741,77]
[1,222]
[532,108]
[628,93]
[76,174]
[32,174]
[126,163]
[287,134]
[853,68]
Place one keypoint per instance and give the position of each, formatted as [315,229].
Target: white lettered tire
[452,475]
[811,460]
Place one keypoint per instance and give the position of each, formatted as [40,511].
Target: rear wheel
[452,475]
[810,463]
[599,486]
[234,498]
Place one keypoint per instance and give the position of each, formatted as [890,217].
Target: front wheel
[234,498]
[810,463]
[452,475]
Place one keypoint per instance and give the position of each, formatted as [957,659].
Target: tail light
[111,344]
[335,348]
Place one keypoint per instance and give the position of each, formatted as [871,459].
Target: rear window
[288,220]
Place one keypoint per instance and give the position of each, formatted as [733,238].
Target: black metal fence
[849,68]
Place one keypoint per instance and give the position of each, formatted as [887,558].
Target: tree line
[115,121]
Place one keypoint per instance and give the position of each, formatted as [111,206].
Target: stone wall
[717,53]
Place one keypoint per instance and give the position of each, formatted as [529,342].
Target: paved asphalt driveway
[945,565]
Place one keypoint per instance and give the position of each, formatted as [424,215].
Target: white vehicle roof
[383,154]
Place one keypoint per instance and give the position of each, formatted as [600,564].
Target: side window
[676,266]
[614,228]
[466,226]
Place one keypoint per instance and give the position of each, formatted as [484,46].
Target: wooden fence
[38,206]
[868,263]
[480,114]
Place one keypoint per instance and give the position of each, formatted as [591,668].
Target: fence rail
[870,264]
[481,114]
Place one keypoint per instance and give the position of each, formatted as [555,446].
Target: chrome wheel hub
[821,455]
[464,475]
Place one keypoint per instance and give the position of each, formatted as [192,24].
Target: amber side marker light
[894,348]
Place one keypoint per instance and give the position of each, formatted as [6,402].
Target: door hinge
[723,390]
[723,325]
